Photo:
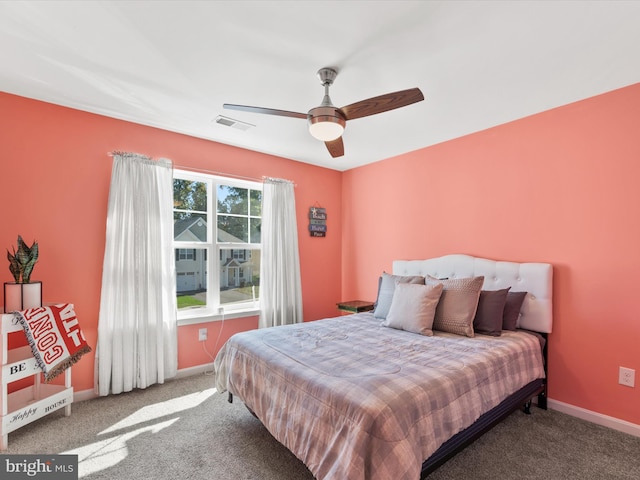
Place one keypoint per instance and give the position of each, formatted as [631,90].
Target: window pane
[233,200]
[239,276]
[233,229]
[189,227]
[189,195]
[255,203]
[191,277]
[255,226]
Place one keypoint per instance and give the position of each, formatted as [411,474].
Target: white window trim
[215,311]
[218,317]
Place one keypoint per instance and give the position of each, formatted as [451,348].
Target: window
[186,254]
[216,231]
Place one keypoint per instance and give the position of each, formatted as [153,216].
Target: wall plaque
[317,222]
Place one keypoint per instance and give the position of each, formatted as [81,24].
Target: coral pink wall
[559,187]
[55,183]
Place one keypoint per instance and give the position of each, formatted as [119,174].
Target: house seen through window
[216,228]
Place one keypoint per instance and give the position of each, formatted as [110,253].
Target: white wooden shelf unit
[33,401]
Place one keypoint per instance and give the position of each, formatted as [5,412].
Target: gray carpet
[184,430]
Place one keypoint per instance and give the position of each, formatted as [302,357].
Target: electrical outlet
[202,334]
[627,376]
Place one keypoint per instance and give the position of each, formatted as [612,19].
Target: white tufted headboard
[535,278]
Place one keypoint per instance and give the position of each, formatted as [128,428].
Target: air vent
[230,122]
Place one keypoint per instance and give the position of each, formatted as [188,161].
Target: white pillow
[386,287]
[413,308]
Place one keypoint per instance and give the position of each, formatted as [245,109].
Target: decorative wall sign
[317,222]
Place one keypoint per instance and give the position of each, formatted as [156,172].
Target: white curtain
[280,286]
[137,332]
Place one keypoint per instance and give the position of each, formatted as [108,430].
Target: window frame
[212,250]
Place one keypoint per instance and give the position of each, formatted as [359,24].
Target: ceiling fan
[327,122]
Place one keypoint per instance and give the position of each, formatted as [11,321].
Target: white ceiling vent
[230,122]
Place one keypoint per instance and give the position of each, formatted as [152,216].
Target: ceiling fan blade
[383,103]
[268,111]
[335,147]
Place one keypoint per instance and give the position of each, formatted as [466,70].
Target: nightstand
[355,306]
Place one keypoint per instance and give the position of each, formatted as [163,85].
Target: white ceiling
[172,64]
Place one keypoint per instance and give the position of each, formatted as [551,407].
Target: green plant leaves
[22,261]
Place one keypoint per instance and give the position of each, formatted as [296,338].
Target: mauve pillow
[458,304]
[512,310]
[413,308]
[488,319]
[387,287]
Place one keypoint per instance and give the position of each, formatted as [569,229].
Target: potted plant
[22,293]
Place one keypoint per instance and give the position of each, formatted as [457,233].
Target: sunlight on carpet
[158,410]
[106,453]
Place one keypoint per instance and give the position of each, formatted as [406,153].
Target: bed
[361,397]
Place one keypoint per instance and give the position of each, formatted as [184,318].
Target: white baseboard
[83,395]
[188,372]
[182,373]
[594,417]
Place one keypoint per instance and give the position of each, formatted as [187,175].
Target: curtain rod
[224,174]
[125,154]
[278,180]
[203,170]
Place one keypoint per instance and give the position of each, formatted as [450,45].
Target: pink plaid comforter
[354,400]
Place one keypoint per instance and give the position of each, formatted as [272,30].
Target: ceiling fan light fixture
[326,131]
[326,125]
